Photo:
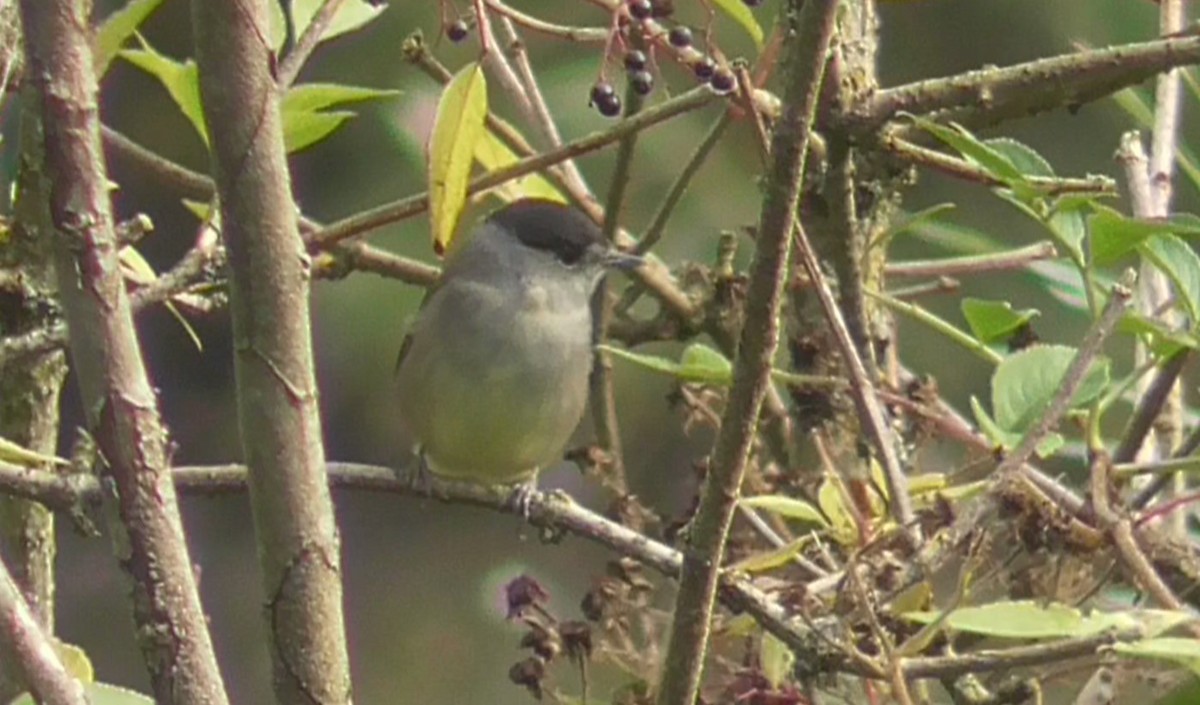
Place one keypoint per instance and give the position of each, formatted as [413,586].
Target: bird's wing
[406,344]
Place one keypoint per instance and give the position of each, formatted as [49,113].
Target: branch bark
[26,645]
[276,387]
[810,27]
[117,395]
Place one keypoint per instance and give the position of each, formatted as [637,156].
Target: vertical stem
[273,361]
[810,27]
[29,387]
[117,396]
[27,646]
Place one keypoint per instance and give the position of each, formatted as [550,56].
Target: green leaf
[1026,619]
[352,15]
[991,321]
[700,363]
[180,79]
[305,123]
[493,155]
[1024,384]
[906,221]
[1161,341]
[841,521]
[1010,439]
[457,128]
[650,362]
[772,558]
[1179,262]
[1113,235]
[777,660]
[737,10]
[788,507]
[117,28]
[100,694]
[1067,222]
[1178,650]
[1027,161]
[991,160]
[16,454]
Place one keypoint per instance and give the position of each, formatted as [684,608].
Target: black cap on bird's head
[560,230]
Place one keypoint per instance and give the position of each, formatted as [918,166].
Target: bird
[493,374]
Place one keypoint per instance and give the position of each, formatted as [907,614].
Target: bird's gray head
[546,237]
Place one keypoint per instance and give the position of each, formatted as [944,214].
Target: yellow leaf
[831,500]
[457,129]
[19,455]
[493,155]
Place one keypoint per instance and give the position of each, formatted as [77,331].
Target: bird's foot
[420,479]
[522,496]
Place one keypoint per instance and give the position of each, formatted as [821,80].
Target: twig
[1016,657]
[290,65]
[990,96]
[573,34]
[1157,467]
[658,224]
[408,207]
[602,393]
[278,415]
[812,24]
[116,394]
[1120,528]
[23,643]
[974,264]
[1088,349]
[1149,406]
[967,171]
[1186,449]
[539,111]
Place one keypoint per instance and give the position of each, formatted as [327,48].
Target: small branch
[602,394]
[1149,406]
[1167,109]
[812,24]
[23,642]
[1089,349]
[989,96]
[658,225]
[1016,657]
[572,34]
[278,415]
[974,264]
[408,207]
[967,171]
[121,405]
[290,65]
[1120,529]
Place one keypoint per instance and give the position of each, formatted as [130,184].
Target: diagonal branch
[993,95]
[811,28]
[117,396]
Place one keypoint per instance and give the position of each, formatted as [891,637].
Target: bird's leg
[522,496]
[421,477]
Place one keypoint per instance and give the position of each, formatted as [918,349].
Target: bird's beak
[615,259]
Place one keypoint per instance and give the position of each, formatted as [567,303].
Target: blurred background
[424,580]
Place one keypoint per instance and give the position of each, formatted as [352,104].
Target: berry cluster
[604,97]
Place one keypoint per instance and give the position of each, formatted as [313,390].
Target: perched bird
[493,376]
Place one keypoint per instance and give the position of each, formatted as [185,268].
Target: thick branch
[993,95]
[117,395]
[811,27]
[276,386]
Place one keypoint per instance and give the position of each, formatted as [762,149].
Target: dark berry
[642,82]
[752,3]
[680,37]
[609,106]
[722,80]
[663,8]
[640,9]
[457,31]
[603,90]
[635,60]
[703,68]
